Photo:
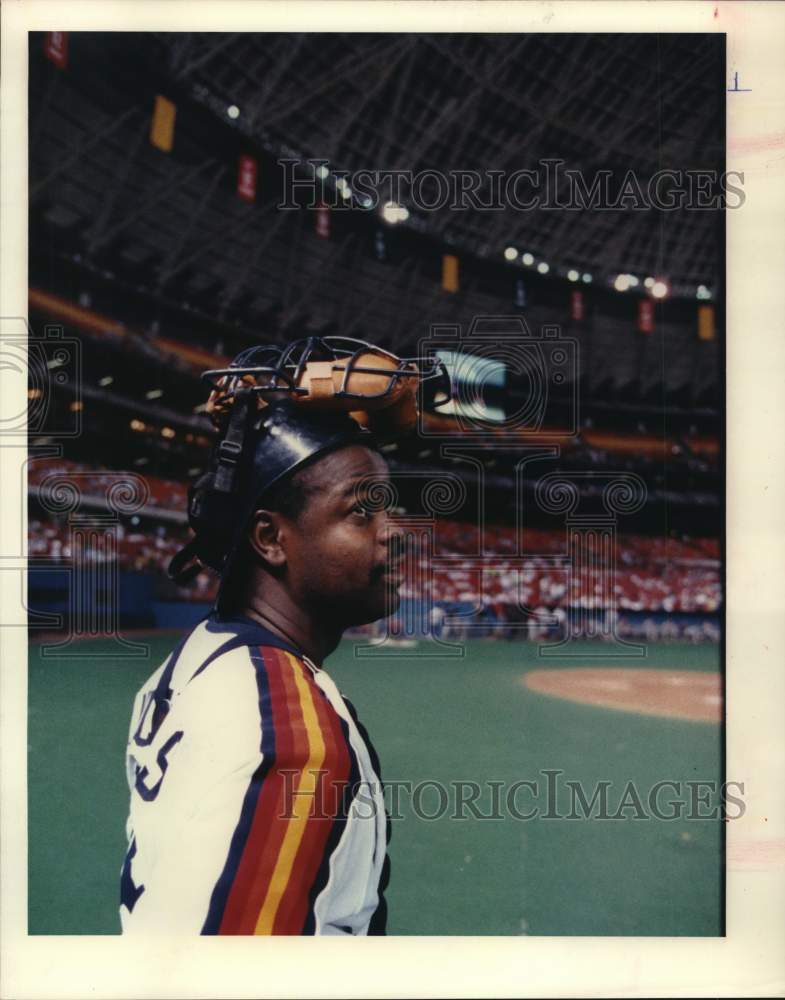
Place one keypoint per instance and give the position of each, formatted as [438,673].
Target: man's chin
[386,606]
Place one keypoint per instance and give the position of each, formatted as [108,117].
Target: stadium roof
[641,103]
[437,103]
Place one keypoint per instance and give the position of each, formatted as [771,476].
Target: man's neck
[273,608]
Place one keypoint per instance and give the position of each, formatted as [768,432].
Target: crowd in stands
[498,583]
[165,494]
[667,578]
[632,550]
[139,549]
[450,537]
[658,575]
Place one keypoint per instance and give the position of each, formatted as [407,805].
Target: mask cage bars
[279,369]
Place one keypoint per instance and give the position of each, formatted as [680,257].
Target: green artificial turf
[431,720]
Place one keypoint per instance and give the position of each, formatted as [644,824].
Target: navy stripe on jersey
[254,632]
[245,632]
[129,891]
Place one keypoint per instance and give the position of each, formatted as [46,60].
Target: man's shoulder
[247,688]
[230,656]
[240,641]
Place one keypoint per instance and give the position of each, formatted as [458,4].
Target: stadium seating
[670,575]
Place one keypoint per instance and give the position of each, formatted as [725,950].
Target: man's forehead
[344,470]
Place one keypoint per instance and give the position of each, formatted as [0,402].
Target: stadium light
[233,111]
[154,394]
[392,213]
[573,275]
[649,282]
[587,278]
[137,425]
[659,289]
[543,267]
[322,172]
[703,292]
[528,259]
[622,282]
[167,432]
[510,253]
[632,280]
[106,380]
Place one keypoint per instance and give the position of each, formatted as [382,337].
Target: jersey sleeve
[251,805]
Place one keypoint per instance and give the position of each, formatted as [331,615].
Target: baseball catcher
[256,802]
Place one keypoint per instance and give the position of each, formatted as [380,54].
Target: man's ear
[264,537]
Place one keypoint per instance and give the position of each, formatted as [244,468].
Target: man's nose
[391,534]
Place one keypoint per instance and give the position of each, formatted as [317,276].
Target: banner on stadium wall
[577,311]
[706,328]
[520,294]
[56,48]
[323,222]
[450,282]
[645,315]
[246,178]
[162,127]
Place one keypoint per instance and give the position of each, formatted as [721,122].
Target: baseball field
[456,739]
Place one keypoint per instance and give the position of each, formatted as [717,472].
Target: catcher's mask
[278,409]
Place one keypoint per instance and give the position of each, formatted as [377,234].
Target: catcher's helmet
[277,409]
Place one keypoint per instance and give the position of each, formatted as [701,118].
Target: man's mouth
[391,573]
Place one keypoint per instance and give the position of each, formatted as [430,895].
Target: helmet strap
[231,448]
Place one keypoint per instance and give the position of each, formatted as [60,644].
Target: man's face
[341,559]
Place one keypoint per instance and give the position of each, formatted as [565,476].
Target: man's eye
[359,509]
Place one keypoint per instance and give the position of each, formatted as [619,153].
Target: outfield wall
[53,608]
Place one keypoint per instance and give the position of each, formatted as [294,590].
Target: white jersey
[256,804]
